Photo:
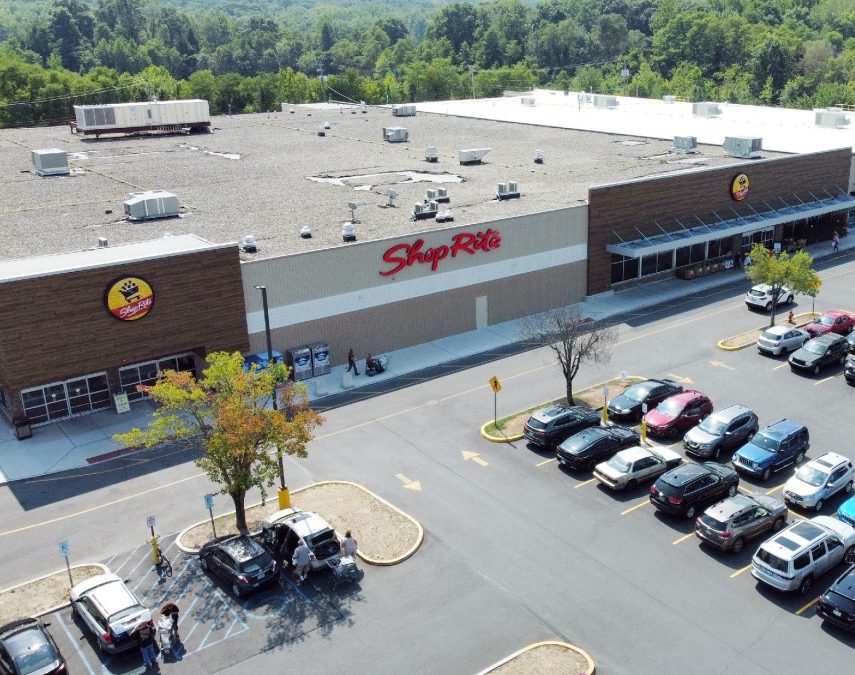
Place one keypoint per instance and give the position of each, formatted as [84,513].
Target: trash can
[23,428]
[320,358]
[300,360]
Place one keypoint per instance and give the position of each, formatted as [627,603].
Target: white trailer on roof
[127,118]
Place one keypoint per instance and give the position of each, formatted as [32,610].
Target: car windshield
[814,347]
[618,463]
[713,425]
[765,442]
[256,564]
[638,392]
[824,320]
[772,561]
[33,656]
[811,476]
[771,335]
[670,407]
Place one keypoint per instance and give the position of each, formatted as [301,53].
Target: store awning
[726,225]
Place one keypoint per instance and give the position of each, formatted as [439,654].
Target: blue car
[777,446]
[846,512]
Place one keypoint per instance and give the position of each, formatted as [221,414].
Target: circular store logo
[739,187]
[129,298]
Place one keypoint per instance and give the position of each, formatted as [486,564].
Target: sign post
[605,404]
[209,504]
[64,551]
[496,386]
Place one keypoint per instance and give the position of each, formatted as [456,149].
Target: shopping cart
[344,570]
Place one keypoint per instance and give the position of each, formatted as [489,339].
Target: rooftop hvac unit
[151,205]
[509,190]
[431,155]
[705,109]
[425,210]
[527,100]
[831,117]
[444,216]
[538,156]
[472,155]
[430,195]
[322,131]
[348,232]
[395,134]
[601,101]
[442,195]
[404,110]
[102,242]
[248,244]
[685,143]
[743,147]
[50,162]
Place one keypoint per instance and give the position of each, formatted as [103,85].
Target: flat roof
[58,263]
[270,174]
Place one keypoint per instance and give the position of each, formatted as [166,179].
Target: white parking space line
[74,642]
[775,489]
[738,572]
[633,508]
[228,634]
[826,379]
[683,538]
[807,606]
[584,483]
[125,561]
[783,365]
[546,461]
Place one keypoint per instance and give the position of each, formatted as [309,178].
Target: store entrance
[146,372]
[59,400]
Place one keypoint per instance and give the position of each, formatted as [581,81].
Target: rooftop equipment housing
[527,100]
[404,110]
[126,118]
[601,101]
[425,210]
[151,205]
[395,134]
[509,190]
[51,162]
[744,147]
[472,155]
[431,155]
[705,109]
[685,143]
[830,117]
[249,244]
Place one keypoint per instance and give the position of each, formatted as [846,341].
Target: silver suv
[724,429]
[283,530]
[110,611]
[794,557]
[730,523]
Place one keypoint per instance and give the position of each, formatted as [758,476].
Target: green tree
[795,272]
[224,413]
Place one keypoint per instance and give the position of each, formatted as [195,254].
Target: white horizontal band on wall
[320,308]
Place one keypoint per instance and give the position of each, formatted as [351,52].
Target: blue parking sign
[64,548]
[209,501]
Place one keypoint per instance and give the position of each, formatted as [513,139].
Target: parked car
[846,511]
[689,487]
[590,446]
[550,426]
[818,480]
[240,561]
[760,297]
[833,321]
[791,559]
[650,393]
[837,604]
[774,448]
[777,340]
[678,413]
[849,369]
[850,342]
[27,648]
[723,430]
[283,530]
[630,467]
[110,611]
[819,352]
[733,521]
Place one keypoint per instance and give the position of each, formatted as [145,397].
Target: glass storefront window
[63,399]
[623,269]
[146,373]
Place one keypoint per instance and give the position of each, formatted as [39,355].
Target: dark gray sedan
[733,521]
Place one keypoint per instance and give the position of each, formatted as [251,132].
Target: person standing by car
[348,545]
[170,609]
[835,242]
[351,362]
[145,633]
[302,559]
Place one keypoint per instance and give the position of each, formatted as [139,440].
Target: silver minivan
[793,558]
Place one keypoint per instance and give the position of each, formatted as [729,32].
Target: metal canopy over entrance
[703,232]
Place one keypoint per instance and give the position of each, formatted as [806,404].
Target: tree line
[53,54]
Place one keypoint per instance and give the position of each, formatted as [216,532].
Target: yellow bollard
[284,498]
[155,550]
[644,431]
[605,413]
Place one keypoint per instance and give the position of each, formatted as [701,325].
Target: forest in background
[251,55]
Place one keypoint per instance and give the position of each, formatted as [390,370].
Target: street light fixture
[284,495]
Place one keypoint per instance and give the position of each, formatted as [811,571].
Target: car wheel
[807,582]
[819,505]
[768,306]
[631,484]
[800,457]
[738,545]
[849,556]
[779,524]
[848,488]
[731,491]
[690,511]
[767,473]
[236,590]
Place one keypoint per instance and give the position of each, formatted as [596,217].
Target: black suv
[819,352]
[849,369]
[548,427]
[724,429]
[837,604]
[592,446]
[630,404]
[240,561]
[683,490]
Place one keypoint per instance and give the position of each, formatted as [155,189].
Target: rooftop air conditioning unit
[685,143]
[601,101]
[395,134]
[830,117]
[444,216]
[442,195]
[425,210]
[431,155]
[151,205]
[248,244]
[744,147]
[348,232]
[322,131]
[538,156]
[404,110]
[509,190]
[430,195]
[472,155]
[102,242]
[51,162]
[705,109]
[527,100]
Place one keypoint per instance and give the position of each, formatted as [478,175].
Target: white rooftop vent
[404,110]
[425,210]
[602,101]
[102,242]
[248,244]
[744,147]
[509,190]
[833,118]
[472,155]
[322,131]
[444,216]
[527,100]
[705,109]
[442,195]
[431,155]
[348,232]
[363,107]
[391,194]
[538,156]
[51,162]
[430,194]
[326,125]
[685,143]
[395,134]
[353,206]
[151,205]
[305,232]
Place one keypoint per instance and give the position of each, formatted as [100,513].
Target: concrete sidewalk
[88,440]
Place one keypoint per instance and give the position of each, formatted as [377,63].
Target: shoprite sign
[129,298]
[739,187]
[402,256]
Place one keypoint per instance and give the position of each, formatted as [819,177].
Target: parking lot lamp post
[284,495]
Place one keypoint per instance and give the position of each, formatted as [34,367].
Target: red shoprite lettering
[134,308]
[407,255]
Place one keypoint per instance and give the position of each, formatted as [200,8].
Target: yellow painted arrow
[681,379]
[409,484]
[467,455]
[721,364]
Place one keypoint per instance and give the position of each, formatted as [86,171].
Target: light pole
[472,70]
[284,495]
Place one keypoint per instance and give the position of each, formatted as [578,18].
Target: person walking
[170,609]
[302,559]
[835,242]
[145,634]
[351,362]
[348,545]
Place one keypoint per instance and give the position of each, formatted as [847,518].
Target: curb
[362,556]
[734,348]
[105,569]
[592,668]
[498,439]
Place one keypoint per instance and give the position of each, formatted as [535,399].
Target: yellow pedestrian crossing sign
[495,384]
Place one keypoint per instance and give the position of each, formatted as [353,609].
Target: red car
[677,414]
[833,321]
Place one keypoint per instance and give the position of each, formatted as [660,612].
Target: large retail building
[576,196]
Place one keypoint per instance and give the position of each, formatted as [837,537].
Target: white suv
[110,611]
[818,480]
[760,297]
